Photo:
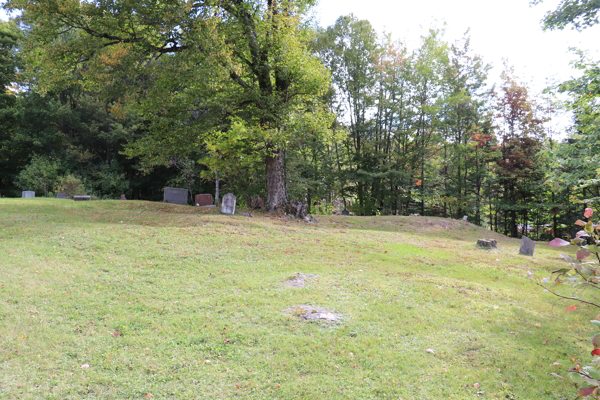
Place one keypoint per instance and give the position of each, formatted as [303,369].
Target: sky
[507,29]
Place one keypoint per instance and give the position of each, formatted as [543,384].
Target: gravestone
[204,200]
[228,204]
[28,193]
[345,212]
[175,196]
[123,197]
[527,246]
[82,198]
[486,244]
[62,196]
[465,218]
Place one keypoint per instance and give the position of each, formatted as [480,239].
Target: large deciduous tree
[191,67]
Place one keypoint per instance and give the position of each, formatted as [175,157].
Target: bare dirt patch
[298,280]
[312,313]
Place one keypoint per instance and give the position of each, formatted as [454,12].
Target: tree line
[128,97]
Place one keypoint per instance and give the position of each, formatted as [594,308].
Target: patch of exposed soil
[298,280]
[312,313]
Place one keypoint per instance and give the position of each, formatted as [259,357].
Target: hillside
[132,300]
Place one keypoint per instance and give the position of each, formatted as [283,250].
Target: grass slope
[132,300]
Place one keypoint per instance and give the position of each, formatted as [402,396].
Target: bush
[40,175]
[70,185]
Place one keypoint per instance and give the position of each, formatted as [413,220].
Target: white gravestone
[228,204]
[28,193]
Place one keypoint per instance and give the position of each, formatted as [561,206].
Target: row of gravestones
[31,193]
[527,246]
[179,196]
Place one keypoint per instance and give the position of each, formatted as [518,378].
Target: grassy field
[134,300]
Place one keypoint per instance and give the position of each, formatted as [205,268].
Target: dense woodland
[127,97]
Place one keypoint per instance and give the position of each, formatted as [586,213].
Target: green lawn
[133,300]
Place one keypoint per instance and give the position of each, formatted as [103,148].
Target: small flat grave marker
[527,246]
[28,193]
[175,196]
[82,198]
[228,205]
[486,244]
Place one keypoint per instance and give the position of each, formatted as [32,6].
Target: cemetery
[128,299]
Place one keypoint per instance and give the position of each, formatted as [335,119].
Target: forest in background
[129,97]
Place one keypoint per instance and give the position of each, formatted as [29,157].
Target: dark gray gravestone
[527,246]
[62,196]
[345,212]
[28,193]
[175,196]
[82,198]
[228,204]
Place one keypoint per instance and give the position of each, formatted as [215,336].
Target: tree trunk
[217,192]
[276,192]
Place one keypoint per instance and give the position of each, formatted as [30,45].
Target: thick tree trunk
[276,191]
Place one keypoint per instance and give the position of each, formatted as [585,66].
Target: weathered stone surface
[28,193]
[297,209]
[62,196]
[527,246]
[313,219]
[256,203]
[465,218]
[345,212]
[312,313]
[82,198]
[486,243]
[247,215]
[205,199]
[175,196]
[228,204]
[123,197]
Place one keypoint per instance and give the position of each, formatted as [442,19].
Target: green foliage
[40,175]
[69,184]
[580,14]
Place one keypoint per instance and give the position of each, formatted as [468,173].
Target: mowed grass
[133,300]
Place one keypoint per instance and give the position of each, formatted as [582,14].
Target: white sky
[499,29]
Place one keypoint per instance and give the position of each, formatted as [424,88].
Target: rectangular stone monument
[228,204]
[175,196]
[527,246]
[123,197]
[62,196]
[82,198]
[203,200]
[28,193]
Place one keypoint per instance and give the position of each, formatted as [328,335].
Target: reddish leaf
[558,242]
[579,222]
[582,254]
[596,352]
[571,308]
[586,391]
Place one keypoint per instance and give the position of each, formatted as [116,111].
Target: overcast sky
[499,29]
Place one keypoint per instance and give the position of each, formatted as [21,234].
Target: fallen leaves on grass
[572,307]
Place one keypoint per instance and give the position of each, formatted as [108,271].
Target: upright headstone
[345,212]
[527,246]
[465,218]
[28,193]
[62,196]
[204,200]
[228,204]
[123,197]
[175,196]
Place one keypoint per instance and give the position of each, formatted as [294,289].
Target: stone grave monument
[175,196]
[345,212]
[62,196]
[28,193]
[486,244]
[228,204]
[204,200]
[527,246]
[123,197]
[82,198]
